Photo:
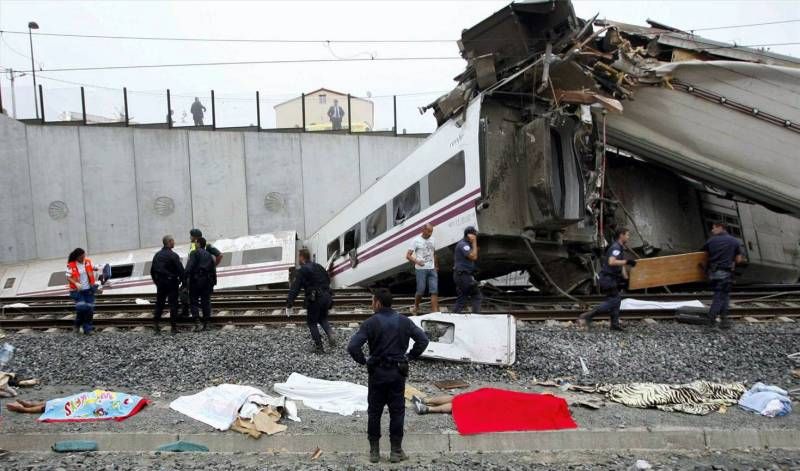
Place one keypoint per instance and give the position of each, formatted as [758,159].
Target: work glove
[630,263]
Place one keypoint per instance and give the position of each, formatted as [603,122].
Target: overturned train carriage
[571,130]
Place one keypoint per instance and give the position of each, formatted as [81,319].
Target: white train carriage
[256,260]
[439,183]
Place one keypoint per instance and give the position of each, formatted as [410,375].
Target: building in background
[289,114]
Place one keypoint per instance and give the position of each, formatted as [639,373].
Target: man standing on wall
[166,271]
[336,113]
[422,254]
[387,334]
[314,279]
[197,111]
[465,256]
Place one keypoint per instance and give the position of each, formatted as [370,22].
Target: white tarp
[218,406]
[339,397]
[629,304]
[482,338]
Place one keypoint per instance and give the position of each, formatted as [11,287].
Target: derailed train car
[536,149]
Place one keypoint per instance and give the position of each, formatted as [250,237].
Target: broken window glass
[334,247]
[406,204]
[352,238]
[446,179]
[263,255]
[9,283]
[441,332]
[375,223]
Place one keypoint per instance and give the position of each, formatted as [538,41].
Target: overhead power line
[234,40]
[284,61]
[746,26]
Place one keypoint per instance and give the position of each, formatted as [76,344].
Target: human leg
[158,310]
[433,289]
[312,319]
[172,297]
[461,293]
[397,415]
[86,303]
[377,398]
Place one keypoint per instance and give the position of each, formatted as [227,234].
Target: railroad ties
[258,309]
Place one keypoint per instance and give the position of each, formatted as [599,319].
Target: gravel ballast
[732,460]
[664,352]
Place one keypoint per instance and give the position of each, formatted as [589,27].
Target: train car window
[352,238]
[446,179]
[121,271]
[264,255]
[227,258]
[406,204]
[58,278]
[375,224]
[334,247]
[9,283]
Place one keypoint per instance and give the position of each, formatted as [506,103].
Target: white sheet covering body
[339,397]
[479,338]
[629,304]
[218,406]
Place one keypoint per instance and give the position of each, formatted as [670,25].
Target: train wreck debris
[540,53]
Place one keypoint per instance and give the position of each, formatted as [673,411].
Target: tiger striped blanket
[697,397]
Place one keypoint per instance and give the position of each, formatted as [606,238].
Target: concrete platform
[565,440]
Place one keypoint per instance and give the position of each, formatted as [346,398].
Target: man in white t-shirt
[422,254]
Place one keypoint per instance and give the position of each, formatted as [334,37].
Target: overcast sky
[332,20]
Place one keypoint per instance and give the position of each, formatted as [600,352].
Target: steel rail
[266,319]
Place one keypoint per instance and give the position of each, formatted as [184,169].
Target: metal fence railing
[322,110]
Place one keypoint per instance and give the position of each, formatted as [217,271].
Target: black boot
[397,455]
[374,451]
[205,326]
[157,329]
[318,348]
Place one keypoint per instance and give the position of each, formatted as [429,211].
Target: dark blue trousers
[613,300]
[722,296]
[467,289]
[84,308]
[386,388]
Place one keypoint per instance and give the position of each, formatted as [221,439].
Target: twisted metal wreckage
[686,130]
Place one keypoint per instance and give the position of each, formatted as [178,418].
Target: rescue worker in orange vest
[82,288]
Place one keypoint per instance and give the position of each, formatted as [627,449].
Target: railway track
[233,310]
[354,298]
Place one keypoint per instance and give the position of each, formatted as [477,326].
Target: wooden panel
[669,270]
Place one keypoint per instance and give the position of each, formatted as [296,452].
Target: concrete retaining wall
[115,188]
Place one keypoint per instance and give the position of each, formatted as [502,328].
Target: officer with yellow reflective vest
[195,234]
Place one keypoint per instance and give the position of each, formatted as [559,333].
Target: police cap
[196,233]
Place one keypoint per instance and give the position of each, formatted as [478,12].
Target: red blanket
[497,410]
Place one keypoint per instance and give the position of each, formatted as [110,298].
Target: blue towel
[760,397]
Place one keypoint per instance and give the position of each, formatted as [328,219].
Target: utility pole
[31,26]
[13,95]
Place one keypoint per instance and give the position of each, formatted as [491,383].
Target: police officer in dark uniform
[201,273]
[724,253]
[612,279]
[387,334]
[166,271]
[465,256]
[194,235]
[313,278]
